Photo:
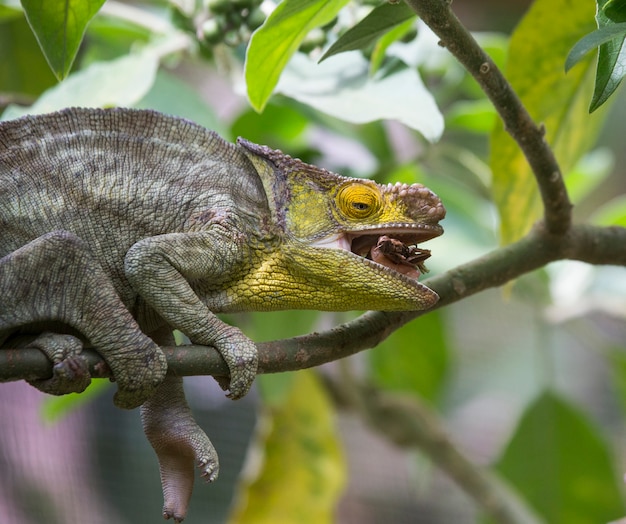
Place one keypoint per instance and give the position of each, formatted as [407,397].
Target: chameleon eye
[358,200]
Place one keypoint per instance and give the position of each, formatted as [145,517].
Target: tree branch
[409,422]
[595,245]
[519,124]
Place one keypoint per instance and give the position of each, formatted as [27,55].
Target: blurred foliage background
[529,381]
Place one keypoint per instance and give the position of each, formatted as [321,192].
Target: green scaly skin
[119,224]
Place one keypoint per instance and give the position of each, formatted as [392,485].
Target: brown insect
[392,253]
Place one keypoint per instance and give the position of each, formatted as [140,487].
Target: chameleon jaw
[394,248]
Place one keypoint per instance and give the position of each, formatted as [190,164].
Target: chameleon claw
[209,469]
[210,475]
[167,515]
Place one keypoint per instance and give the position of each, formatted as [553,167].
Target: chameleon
[119,226]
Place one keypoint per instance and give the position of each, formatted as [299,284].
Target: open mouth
[396,249]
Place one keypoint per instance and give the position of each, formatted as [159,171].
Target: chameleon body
[120,225]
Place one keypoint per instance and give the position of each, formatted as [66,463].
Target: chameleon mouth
[398,254]
[394,248]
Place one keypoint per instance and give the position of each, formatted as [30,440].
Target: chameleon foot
[241,355]
[179,443]
[70,372]
[137,371]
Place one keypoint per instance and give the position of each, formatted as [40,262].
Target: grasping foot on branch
[70,372]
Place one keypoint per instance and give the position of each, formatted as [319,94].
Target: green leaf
[617,359]
[414,358]
[9,12]
[537,52]
[392,36]
[611,66]
[303,471]
[270,325]
[121,82]
[276,388]
[54,409]
[593,40]
[23,69]
[380,20]
[59,26]
[277,125]
[615,10]
[110,37]
[273,44]
[342,88]
[590,171]
[612,213]
[478,116]
[171,95]
[560,464]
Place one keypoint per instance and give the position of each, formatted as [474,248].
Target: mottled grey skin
[92,243]
[130,210]
[118,226]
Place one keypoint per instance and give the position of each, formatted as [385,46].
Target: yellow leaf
[535,69]
[303,470]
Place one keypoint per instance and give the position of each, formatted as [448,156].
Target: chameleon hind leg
[179,444]
[70,370]
[56,279]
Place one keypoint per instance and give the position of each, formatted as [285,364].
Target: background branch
[408,421]
[518,123]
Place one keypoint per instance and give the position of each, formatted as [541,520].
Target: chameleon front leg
[179,444]
[161,268]
[55,279]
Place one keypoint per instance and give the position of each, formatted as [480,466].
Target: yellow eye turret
[359,201]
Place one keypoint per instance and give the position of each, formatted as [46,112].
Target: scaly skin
[118,223]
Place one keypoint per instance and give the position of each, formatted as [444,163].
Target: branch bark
[595,245]
[407,421]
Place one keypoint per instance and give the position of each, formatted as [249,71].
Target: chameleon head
[348,243]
